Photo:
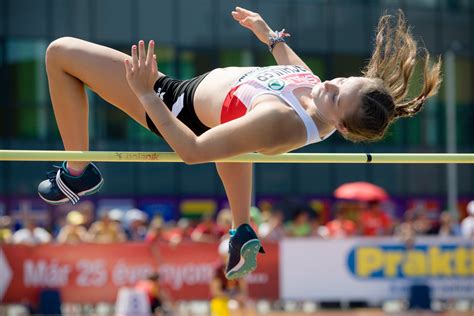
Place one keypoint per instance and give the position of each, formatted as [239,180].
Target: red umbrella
[361,191]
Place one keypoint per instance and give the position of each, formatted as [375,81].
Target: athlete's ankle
[76,169]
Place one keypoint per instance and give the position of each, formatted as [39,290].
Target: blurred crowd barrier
[372,269]
[93,273]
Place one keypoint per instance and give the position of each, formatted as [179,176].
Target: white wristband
[279,37]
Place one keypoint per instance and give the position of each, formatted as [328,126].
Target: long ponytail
[391,67]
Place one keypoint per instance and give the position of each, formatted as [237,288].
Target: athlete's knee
[57,51]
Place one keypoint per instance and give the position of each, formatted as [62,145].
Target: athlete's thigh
[102,69]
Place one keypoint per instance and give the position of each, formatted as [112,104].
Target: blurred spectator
[117,215]
[467,224]
[317,230]
[31,234]
[416,223]
[273,229]
[87,209]
[106,230]
[447,226]
[227,293]
[136,224]
[256,217]
[373,221]
[406,231]
[422,224]
[5,229]
[156,231]
[158,297]
[179,232]
[73,232]
[340,226]
[207,230]
[224,220]
[300,225]
[59,222]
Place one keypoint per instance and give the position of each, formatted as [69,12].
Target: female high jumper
[230,111]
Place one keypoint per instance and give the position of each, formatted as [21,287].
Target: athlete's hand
[142,71]
[254,22]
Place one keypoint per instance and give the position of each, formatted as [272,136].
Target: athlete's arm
[282,53]
[262,128]
[259,130]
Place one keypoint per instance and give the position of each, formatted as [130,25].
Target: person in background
[117,215]
[227,293]
[31,234]
[373,221]
[317,230]
[136,228]
[73,232]
[159,299]
[207,230]
[256,217]
[156,230]
[300,225]
[422,223]
[5,229]
[415,223]
[340,226]
[87,209]
[106,231]
[467,224]
[447,226]
[224,220]
[274,228]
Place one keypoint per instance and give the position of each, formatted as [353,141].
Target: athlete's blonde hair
[391,67]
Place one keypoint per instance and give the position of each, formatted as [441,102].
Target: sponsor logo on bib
[276,84]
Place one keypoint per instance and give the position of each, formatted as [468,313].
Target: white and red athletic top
[276,80]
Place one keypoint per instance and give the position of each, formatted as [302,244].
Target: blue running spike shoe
[244,246]
[62,187]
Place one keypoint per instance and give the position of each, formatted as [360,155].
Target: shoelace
[52,175]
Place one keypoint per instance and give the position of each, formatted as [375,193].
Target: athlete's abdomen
[212,91]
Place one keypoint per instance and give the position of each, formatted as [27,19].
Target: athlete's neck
[323,119]
[324,124]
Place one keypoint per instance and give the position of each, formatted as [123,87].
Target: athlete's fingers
[151,50]
[154,64]
[128,68]
[238,15]
[235,15]
[141,54]
[134,58]
[243,11]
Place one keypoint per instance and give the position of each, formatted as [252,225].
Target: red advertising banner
[84,273]
[186,271]
[91,273]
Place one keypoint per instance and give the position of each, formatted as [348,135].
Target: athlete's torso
[211,93]
[228,93]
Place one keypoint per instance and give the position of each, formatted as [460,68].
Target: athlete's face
[339,97]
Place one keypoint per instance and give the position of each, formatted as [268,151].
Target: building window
[27,88]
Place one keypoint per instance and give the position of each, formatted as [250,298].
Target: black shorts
[178,95]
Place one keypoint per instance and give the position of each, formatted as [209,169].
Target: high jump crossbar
[113,156]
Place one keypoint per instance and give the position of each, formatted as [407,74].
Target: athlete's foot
[244,246]
[62,187]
